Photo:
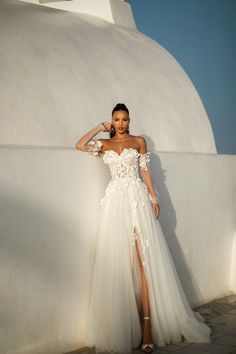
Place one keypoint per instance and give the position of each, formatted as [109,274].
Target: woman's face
[120,121]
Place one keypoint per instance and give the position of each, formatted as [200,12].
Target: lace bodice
[123,165]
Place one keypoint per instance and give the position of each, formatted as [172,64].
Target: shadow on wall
[168,221]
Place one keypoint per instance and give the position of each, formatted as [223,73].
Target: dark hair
[119,107]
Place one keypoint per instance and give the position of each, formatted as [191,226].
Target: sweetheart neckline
[121,151]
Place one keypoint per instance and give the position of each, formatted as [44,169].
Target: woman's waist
[125,178]
[126,181]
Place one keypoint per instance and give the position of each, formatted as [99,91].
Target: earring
[112,130]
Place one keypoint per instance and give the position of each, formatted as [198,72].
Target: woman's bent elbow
[78,146]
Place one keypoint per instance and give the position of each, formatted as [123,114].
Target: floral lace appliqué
[94,147]
[144,161]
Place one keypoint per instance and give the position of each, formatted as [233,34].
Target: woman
[136,296]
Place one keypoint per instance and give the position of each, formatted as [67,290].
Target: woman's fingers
[107,126]
[156,209]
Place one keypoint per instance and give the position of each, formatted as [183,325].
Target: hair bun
[120,107]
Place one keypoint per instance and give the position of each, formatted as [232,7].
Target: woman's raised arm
[83,141]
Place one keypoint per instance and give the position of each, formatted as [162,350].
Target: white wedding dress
[114,311]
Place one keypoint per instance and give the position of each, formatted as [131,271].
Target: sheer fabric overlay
[114,315]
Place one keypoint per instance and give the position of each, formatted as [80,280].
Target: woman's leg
[147,336]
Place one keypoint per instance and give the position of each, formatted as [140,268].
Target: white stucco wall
[48,213]
[62,72]
[57,82]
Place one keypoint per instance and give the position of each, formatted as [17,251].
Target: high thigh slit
[141,270]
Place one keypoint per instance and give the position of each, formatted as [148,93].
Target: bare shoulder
[142,144]
[140,139]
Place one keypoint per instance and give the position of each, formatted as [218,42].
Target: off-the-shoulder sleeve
[144,161]
[94,147]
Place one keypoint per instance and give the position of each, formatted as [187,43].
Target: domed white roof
[63,72]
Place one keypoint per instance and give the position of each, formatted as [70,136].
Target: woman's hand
[156,209]
[105,126]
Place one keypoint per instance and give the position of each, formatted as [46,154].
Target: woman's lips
[120,128]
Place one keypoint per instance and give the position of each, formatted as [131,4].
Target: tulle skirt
[114,312]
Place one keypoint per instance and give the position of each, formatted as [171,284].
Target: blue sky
[201,35]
